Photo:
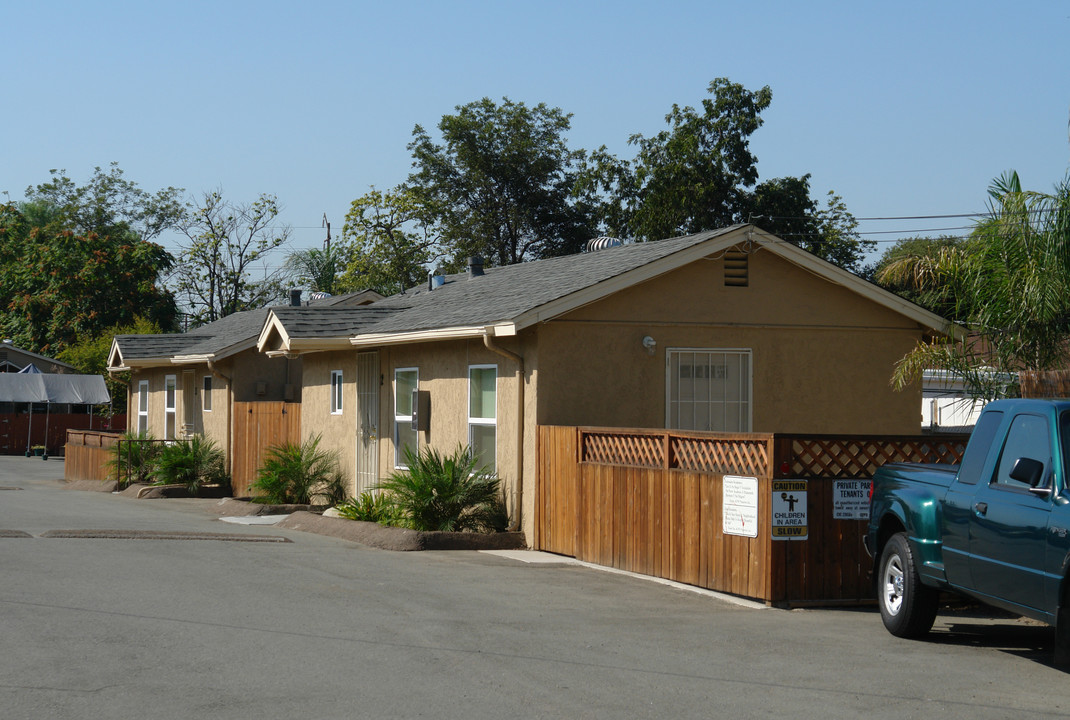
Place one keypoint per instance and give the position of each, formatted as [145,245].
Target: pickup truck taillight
[871,491]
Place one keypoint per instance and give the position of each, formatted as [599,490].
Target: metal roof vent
[601,243]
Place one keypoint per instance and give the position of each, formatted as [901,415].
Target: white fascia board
[653,269]
[852,282]
[272,325]
[417,336]
[192,359]
[115,356]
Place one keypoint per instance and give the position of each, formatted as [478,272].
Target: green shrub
[194,463]
[300,475]
[133,458]
[377,507]
[451,493]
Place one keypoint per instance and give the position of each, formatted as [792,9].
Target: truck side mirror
[1030,472]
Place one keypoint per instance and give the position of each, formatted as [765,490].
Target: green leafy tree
[700,174]
[500,184]
[89,356]
[77,259]
[391,238]
[58,286]
[226,241]
[691,177]
[1009,285]
[108,205]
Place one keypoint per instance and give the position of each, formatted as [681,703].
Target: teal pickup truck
[995,528]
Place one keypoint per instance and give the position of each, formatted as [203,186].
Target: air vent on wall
[735,269]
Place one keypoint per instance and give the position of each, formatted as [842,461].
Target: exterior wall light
[649,343]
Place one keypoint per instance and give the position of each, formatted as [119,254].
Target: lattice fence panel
[624,449]
[714,455]
[831,457]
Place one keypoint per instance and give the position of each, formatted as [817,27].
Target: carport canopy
[53,388]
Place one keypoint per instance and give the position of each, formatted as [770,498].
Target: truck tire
[908,608]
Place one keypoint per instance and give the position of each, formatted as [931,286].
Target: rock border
[400,539]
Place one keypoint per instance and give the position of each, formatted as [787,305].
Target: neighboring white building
[945,405]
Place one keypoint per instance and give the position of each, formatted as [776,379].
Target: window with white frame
[143,406]
[406,380]
[708,389]
[482,414]
[336,392]
[170,389]
[206,394]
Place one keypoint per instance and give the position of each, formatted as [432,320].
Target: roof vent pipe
[475,266]
[295,297]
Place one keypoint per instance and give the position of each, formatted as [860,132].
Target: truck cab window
[1027,437]
[973,461]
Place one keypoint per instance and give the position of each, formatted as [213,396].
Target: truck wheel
[908,608]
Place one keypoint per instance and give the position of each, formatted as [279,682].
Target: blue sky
[903,109]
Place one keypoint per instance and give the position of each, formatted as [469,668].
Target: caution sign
[850,499]
[739,506]
[789,510]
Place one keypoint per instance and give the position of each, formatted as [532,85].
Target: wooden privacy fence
[87,454]
[651,501]
[258,426]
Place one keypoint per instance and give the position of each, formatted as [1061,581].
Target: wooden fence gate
[258,426]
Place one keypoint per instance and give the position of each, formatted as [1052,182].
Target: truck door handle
[981,508]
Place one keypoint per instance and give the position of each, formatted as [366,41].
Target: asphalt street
[216,622]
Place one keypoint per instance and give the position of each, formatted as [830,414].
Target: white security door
[368,423]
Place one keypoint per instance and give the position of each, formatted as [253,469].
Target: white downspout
[488,340]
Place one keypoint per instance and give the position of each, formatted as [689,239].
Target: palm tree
[1009,286]
[321,269]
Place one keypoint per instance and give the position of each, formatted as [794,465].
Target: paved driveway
[318,627]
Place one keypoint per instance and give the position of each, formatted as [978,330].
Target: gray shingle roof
[241,328]
[500,295]
[331,322]
[504,293]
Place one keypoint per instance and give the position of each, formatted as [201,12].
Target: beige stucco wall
[443,372]
[213,424]
[246,373]
[822,355]
[337,432]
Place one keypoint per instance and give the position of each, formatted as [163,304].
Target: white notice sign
[739,505]
[789,510]
[850,500]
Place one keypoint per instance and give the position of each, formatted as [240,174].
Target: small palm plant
[194,463]
[444,493]
[300,474]
[133,458]
[377,507]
